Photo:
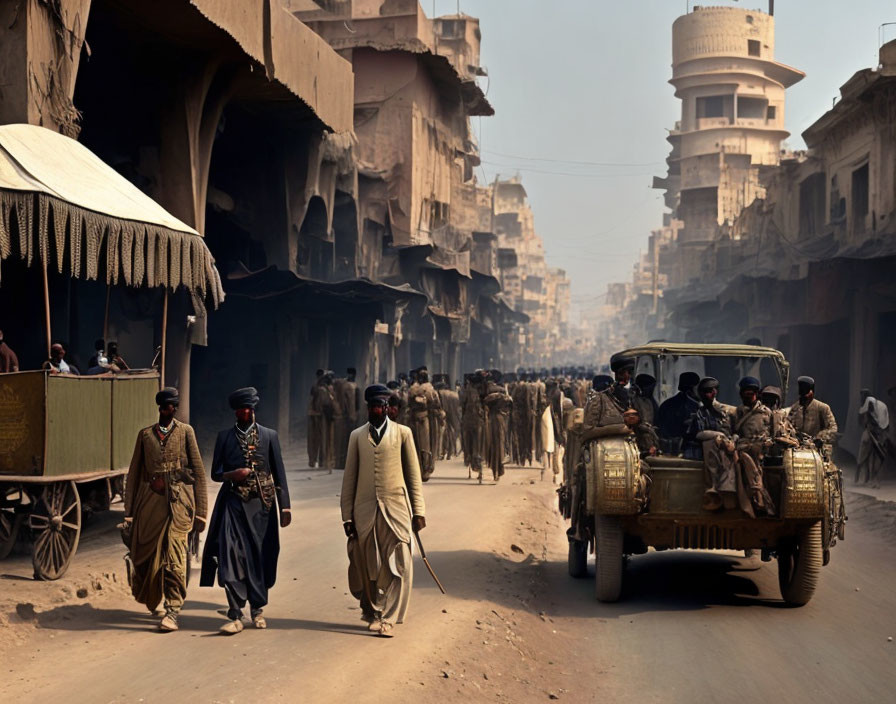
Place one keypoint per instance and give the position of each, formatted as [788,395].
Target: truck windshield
[728,370]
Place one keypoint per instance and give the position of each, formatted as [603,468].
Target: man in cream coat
[382,502]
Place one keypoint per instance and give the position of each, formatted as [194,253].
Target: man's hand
[198,523]
[729,446]
[237,475]
[349,528]
[418,523]
[285,517]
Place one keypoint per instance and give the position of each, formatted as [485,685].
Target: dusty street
[514,627]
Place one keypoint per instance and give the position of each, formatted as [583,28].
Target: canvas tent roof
[86,210]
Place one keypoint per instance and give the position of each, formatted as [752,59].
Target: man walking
[243,541]
[165,499]
[875,420]
[382,502]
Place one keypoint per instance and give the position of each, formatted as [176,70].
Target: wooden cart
[65,446]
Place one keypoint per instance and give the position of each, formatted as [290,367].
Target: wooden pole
[106,316]
[47,306]
[164,339]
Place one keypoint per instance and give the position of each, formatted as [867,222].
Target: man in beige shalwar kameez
[165,499]
[382,502]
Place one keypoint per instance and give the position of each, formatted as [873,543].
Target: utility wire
[570,162]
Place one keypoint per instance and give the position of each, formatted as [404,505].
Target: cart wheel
[10,521]
[56,523]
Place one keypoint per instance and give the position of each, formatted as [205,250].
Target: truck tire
[608,564]
[578,558]
[799,563]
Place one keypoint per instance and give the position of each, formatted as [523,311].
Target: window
[771,113]
[859,197]
[711,106]
[812,205]
[753,47]
[752,108]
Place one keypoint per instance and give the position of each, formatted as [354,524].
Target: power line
[527,169]
[570,162]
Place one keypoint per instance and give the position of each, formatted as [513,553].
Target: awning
[272,282]
[87,209]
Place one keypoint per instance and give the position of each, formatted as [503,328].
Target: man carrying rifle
[382,503]
[243,541]
[164,501]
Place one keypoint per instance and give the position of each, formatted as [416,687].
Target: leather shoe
[231,628]
[168,622]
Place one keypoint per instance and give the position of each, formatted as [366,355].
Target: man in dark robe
[497,404]
[243,541]
[473,423]
[674,413]
[164,501]
[643,400]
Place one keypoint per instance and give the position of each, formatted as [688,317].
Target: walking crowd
[530,418]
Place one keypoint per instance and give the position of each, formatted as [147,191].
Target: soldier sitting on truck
[733,479]
[674,413]
[603,413]
[752,421]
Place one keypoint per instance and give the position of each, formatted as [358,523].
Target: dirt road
[694,627]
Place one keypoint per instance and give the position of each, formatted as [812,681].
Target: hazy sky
[587,81]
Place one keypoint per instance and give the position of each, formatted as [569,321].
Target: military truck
[610,517]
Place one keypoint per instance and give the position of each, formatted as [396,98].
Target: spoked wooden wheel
[10,521]
[56,523]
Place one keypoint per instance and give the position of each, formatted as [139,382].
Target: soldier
[473,423]
[552,428]
[811,417]
[674,414]
[328,410]
[782,431]
[874,418]
[603,414]
[497,403]
[521,422]
[164,501]
[752,421]
[347,404]
[451,405]
[424,408]
[710,427]
[733,478]
[643,399]
[315,424]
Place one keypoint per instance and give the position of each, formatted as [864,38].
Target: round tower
[732,115]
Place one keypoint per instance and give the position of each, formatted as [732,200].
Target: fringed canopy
[57,197]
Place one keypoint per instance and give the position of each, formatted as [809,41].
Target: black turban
[806,382]
[601,382]
[749,382]
[707,383]
[243,398]
[772,391]
[645,381]
[377,394]
[620,362]
[688,380]
[393,384]
[168,395]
